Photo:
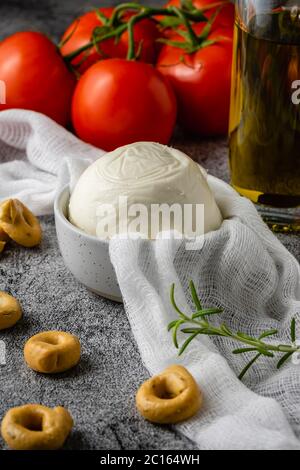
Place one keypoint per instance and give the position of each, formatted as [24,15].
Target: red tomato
[80,33]
[201,82]
[117,102]
[225,17]
[35,76]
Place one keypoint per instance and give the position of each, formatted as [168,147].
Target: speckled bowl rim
[58,212]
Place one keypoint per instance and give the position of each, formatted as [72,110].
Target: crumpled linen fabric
[242,267]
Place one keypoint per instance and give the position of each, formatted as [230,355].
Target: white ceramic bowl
[86,256]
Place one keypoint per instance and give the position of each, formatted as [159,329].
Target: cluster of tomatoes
[111,101]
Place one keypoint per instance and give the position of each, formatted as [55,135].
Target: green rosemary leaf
[180,322]
[207,331]
[284,359]
[244,336]
[225,330]
[265,352]
[187,342]
[207,311]
[173,302]
[191,331]
[195,297]
[247,367]
[199,323]
[293,330]
[268,333]
[243,350]
[172,324]
[284,348]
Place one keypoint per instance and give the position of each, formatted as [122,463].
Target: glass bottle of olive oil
[265,109]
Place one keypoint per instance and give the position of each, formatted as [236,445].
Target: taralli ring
[19,223]
[10,310]
[36,427]
[169,397]
[3,239]
[51,352]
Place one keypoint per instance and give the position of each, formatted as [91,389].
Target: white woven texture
[242,268]
[40,158]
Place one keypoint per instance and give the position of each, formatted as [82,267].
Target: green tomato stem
[193,38]
[144,12]
[119,10]
[119,30]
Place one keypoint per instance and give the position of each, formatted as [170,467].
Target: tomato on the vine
[35,76]
[117,102]
[80,33]
[201,81]
[225,17]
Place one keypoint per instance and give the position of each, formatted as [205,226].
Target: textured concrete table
[100,391]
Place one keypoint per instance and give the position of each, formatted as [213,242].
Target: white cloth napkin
[40,158]
[242,267]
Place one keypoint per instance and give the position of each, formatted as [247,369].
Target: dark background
[48,16]
[100,391]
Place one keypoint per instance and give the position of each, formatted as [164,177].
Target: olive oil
[265,116]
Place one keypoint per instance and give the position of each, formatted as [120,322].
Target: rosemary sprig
[198,324]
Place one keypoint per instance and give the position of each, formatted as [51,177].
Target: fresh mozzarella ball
[104,200]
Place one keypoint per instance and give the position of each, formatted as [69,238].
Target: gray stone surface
[100,391]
